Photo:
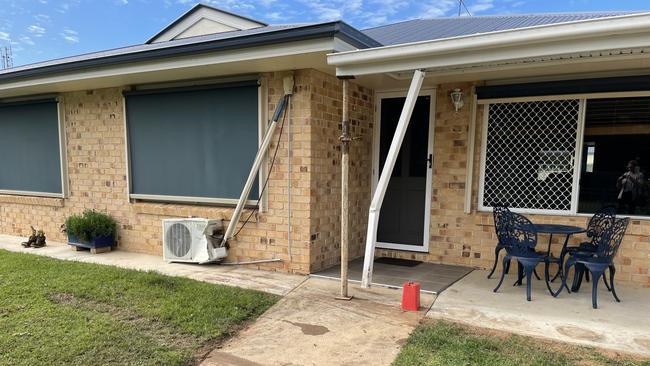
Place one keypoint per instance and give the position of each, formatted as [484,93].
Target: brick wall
[326,168]
[96,159]
[94,126]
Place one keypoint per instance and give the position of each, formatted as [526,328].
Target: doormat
[397,262]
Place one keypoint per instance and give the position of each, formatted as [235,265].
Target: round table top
[558,229]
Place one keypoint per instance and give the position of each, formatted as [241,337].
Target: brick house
[170,129]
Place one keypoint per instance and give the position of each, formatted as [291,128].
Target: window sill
[32,200]
[187,210]
[567,214]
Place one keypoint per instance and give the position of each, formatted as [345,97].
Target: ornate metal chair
[522,239]
[500,213]
[600,260]
[598,224]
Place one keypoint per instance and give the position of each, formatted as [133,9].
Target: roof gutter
[603,27]
[337,29]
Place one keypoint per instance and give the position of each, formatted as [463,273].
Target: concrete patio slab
[621,326]
[432,277]
[240,276]
[310,327]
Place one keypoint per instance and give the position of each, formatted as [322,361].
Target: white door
[405,212]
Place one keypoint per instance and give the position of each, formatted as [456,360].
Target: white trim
[481,182]
[431,93]
[188,199]
[577,163]
[625,31]
[262,112]
[30,193]
[63,156]
[178,64]
[471,139]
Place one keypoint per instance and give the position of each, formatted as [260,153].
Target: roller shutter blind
[30,147]
[193,142]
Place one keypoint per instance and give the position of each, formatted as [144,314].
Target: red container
[411,296]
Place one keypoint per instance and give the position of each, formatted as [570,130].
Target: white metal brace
[386,172]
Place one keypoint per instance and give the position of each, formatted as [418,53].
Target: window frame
[63,161]
[262,96]
[575,189]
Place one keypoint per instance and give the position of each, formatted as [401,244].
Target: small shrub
[91,224]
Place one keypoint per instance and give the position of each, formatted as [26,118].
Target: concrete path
[240,276]
[621,326]
[310,327]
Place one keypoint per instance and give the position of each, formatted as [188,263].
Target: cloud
[26,40]
[481,6]
[42,18]
[70,36]
[36,30]
[438,8]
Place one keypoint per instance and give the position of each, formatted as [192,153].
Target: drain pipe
[261,153]
[289,173]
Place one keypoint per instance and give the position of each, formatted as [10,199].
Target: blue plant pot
[98,242]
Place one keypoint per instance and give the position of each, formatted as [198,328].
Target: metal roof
[417,30]
[272,34]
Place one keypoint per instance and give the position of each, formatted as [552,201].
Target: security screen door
[404,216]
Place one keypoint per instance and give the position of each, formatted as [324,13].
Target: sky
[40,30]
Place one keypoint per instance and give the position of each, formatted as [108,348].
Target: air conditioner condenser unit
[193,240]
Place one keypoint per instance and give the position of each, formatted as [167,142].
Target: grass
[449,344]
[56,312]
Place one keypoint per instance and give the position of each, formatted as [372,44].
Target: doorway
[405,214]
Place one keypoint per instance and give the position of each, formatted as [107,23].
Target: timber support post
[345,169]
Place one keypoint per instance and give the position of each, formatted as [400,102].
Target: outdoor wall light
[457,99]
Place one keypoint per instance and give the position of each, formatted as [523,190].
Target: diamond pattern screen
[530,152]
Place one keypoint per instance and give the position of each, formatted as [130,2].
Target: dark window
[193,143]
[616,156]
[30,147]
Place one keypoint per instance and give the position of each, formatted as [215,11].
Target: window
[194,144]
[568,156]
[529,155]
[616,156]
[30,146]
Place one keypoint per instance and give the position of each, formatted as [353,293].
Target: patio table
[557,229]
[553,229]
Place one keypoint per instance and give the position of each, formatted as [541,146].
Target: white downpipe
[289,173]
[386,172]
[471,139]
[261,153]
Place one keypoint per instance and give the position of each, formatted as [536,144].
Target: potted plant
[91,230]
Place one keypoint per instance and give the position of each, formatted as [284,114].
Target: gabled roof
[272,34]
[208,10]
[417,30]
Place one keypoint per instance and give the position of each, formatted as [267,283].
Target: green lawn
[448,344]
[56,312]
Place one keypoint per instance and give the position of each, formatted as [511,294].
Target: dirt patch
[310,329]
[162,333]
[580,333]
[643,342]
